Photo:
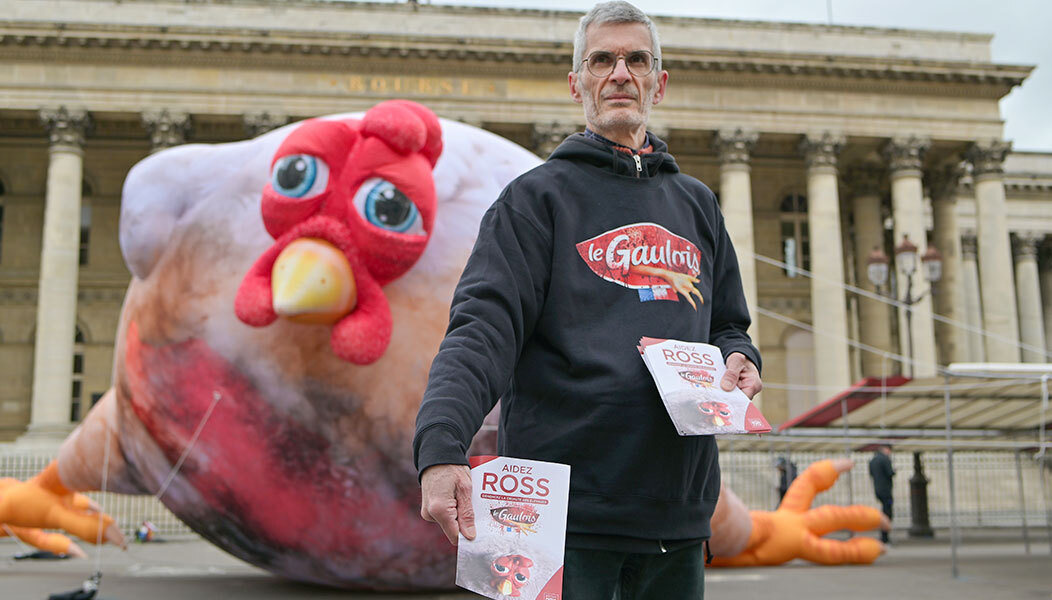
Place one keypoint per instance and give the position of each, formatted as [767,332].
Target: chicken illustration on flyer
[688,376]
[520,522]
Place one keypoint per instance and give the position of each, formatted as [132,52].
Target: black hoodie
[559,288]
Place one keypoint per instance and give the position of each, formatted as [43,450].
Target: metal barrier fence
[987,488]
[987,485]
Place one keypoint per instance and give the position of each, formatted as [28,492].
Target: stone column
[995,251]
[733,147]
[971,299]
[828,306]
[907,211]
[547,136]
[258,123]
[1028,293]
[49,420]
[866,184]
[166,128]
[950,339]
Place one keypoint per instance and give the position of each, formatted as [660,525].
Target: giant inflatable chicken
[288,295]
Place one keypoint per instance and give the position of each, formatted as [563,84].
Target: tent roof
[993,412]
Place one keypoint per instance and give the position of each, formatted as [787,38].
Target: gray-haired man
[604,243]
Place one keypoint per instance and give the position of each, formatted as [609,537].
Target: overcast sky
[1021,31]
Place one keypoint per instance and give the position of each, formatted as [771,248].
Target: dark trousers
[610,575]
[885,502]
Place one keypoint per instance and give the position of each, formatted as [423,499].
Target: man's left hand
[743,374]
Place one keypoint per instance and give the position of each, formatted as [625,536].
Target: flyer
[520,524]
[687,375]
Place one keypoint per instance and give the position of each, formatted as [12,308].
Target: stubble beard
[617,119]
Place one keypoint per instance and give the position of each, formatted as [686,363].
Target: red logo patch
[634,256]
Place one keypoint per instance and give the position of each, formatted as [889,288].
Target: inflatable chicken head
[351,206]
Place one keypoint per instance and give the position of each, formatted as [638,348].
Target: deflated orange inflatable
[795,530]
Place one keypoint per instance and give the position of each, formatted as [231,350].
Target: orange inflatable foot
[44,503]
[795,530]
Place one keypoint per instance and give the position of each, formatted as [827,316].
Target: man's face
[621,101]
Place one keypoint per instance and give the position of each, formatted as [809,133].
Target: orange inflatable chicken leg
[44,503]
[795,530]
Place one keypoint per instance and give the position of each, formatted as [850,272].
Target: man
[603,244]
[881,471]
[786,475]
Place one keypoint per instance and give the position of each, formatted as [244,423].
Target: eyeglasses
[640,63]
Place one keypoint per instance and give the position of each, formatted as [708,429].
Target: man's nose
[620,73]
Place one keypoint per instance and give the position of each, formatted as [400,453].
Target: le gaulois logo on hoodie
[648,258]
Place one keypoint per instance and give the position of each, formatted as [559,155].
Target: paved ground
[992,564]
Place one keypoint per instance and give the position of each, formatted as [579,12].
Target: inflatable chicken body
[288,295]
[295,409]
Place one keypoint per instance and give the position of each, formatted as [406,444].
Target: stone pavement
[993,564]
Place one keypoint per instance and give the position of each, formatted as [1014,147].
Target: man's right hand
[446,500]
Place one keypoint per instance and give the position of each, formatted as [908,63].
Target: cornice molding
[307,43]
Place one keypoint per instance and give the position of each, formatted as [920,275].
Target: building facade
[822,142]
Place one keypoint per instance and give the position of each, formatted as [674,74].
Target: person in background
[881,471]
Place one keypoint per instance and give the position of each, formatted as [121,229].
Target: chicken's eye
[520,577]
[725,412]
[383,205]
[500,568]
[299,176]
[706,409]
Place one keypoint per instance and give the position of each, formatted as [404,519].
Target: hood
[581,148]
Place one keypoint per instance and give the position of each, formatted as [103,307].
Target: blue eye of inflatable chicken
[299,176]
[383,205]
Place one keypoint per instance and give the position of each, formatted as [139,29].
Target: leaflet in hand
[520,524]
[688,376]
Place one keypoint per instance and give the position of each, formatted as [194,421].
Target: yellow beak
[504,587]
[312,282]
[719,421]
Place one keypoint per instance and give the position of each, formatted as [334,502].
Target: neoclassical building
[822,142]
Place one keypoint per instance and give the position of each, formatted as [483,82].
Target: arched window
[78,376]
[796,240]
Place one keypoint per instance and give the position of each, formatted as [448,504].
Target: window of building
[78,376]
[85,232]
[796,240]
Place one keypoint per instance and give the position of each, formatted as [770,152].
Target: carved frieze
[821,150]
[546,136]
[734,146]
[1025,244]
[969,245]
[906,153]
[943,182]
[66,127]
[166,128]
[258,123]
[988,157]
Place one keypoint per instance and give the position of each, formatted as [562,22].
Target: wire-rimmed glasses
[640,63]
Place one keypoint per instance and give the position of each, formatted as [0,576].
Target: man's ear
[662,83]
[575,93]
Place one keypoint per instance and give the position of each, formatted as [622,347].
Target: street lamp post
[877,271]
[906,261]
